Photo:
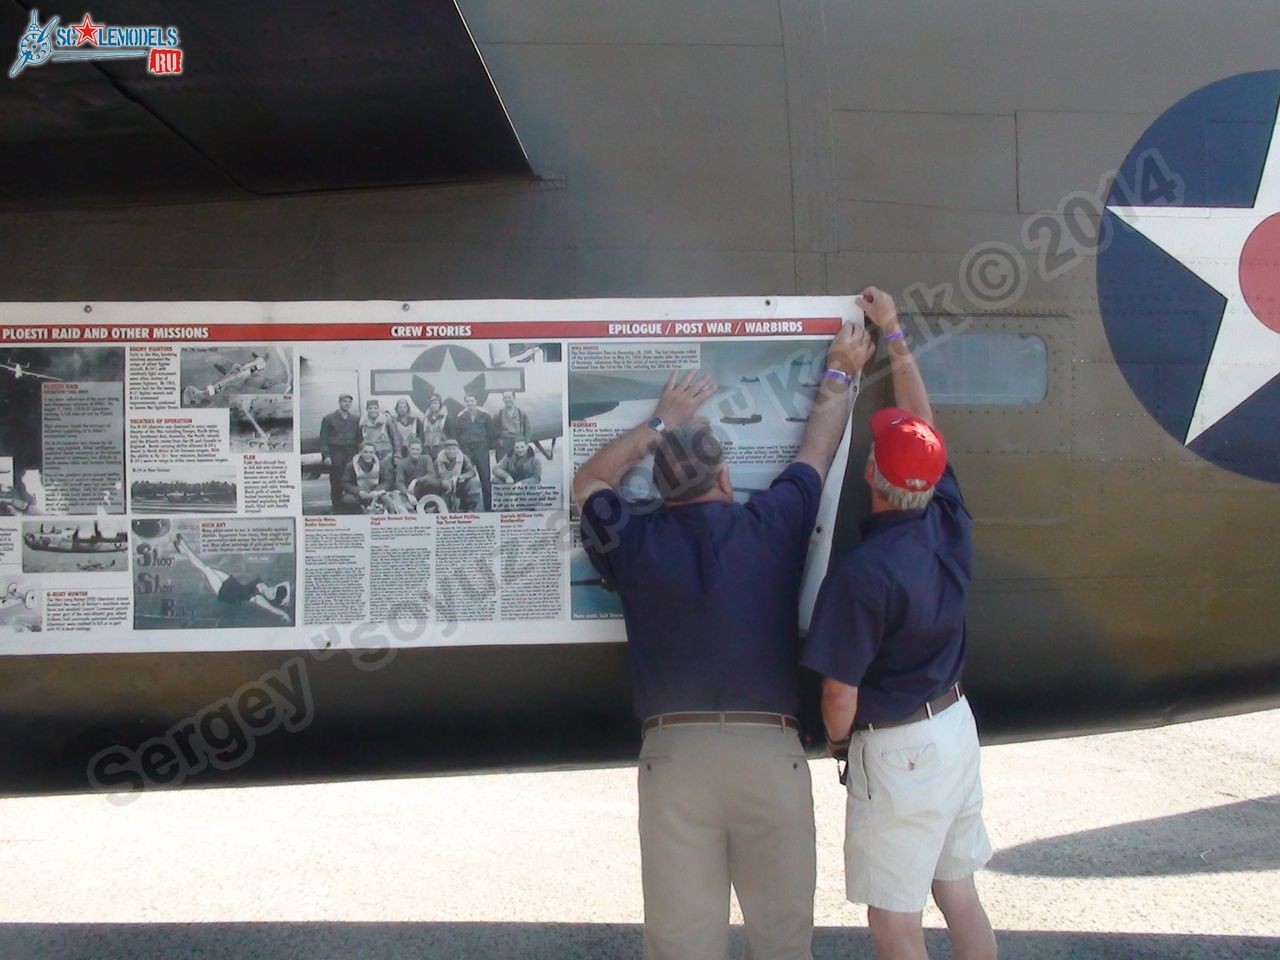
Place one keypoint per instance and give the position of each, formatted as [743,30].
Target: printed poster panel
[237,476]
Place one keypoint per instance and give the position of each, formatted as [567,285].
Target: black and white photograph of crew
[458,428]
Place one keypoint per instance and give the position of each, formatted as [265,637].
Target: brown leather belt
[930,709]
[779,720]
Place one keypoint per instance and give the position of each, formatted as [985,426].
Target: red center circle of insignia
[1260,272]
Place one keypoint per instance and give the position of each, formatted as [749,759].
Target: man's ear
[870,473]
[724,482]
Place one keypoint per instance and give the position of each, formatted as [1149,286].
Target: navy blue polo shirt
[710,594]
[889,618]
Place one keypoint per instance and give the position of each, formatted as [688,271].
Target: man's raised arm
[847,355]
[909,392]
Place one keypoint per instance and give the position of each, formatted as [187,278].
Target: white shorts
[914,813]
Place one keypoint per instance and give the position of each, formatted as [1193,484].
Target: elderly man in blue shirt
[709,591]
[888,635]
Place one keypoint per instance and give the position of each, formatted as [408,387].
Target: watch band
[898,334]
[656,423]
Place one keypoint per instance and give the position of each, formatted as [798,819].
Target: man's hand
[676,407]
[839,749]
[850,350]
[681,398]
[879,308]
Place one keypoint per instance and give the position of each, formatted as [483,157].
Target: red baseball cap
[909,452]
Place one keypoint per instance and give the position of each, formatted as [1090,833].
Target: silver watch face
[657,424]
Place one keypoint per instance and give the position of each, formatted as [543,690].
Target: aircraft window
[972,369]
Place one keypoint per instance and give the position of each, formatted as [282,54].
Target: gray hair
[687,462]
[899,498]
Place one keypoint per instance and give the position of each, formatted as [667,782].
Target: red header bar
[500,330]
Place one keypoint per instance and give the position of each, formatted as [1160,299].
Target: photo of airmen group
[449,428]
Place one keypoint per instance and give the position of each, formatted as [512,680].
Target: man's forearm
[827,422]
[909,391]
[839,708]
[610,463]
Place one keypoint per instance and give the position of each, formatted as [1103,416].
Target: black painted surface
[457,709]
[275,98]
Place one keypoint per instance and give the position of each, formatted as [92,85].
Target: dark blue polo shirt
[709,592]
[889,618]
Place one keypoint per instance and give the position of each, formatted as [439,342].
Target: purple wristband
[837,375]
[898,334]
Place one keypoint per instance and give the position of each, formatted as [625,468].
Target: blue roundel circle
[1162,319]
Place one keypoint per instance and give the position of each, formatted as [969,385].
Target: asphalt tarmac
[1151,844]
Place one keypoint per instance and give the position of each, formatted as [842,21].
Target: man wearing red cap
[888,636]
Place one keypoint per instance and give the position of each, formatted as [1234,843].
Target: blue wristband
[838,375]
[898,334]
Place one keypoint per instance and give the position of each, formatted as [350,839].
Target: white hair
[899,498]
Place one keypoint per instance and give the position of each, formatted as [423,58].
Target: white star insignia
[1235,250]
[449,381]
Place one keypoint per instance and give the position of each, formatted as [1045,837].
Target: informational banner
[315,475]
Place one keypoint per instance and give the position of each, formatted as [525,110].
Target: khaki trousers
[723,805]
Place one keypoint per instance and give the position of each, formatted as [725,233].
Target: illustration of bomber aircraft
[19,371]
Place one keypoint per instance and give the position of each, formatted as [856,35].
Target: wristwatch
[657,424]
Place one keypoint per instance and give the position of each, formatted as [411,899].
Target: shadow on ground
[534,941]
[1228,838]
